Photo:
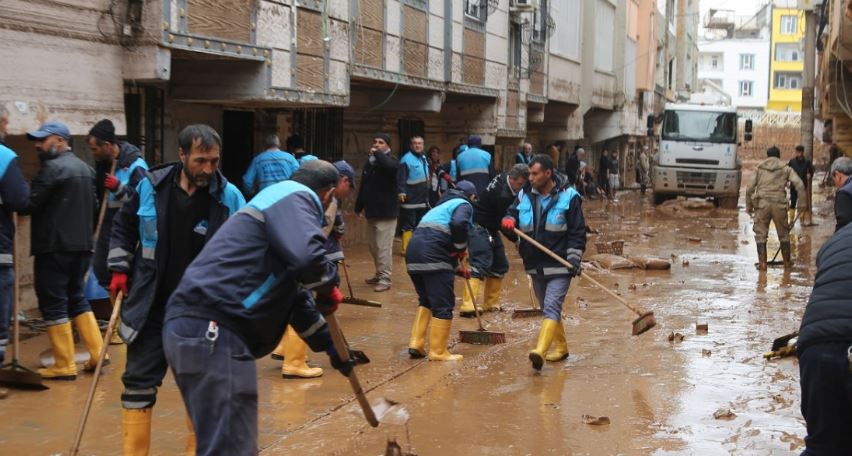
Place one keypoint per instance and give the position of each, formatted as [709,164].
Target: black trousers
[409,218]
[146,363]
[59,287]
[826,399]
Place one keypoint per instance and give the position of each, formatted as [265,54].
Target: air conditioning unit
[522,5]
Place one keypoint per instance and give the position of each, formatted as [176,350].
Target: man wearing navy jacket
[413,183]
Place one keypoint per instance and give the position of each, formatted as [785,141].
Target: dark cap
[346,170]
[104,130]
[383,136]
[49,128]
[800,147]
[474,141]
[466,187]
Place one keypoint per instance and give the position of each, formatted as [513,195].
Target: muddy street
[660,396]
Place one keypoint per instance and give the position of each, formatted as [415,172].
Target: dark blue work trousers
[58,279]
[435,290]
[146,363]
[826,399]
[217,378]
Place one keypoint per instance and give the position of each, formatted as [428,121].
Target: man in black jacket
[62,205]
[825,351]
[841,171]
[805,170]
[380,204]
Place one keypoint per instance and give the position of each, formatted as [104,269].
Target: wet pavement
[659,395]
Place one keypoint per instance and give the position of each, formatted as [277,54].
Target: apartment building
[787,57]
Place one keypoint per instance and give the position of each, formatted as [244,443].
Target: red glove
[463,273]
[460,255]
[328,304]
[111,183]
[448,178]
[118,283]
[508,224]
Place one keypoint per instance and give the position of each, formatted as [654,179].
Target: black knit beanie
[104,130]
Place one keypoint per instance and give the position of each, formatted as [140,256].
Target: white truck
[698,154]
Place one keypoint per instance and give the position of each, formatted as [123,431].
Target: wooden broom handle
[568,265]
[104,204]
[343,354]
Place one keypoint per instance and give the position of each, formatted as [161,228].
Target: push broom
[642,323]
[533,311]
[481,336]
[351,299]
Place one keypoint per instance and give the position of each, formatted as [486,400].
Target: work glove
[111,183]
[577,268]
[401,197]
[344,367]
[449,179]
[327,304]
[459,255]
[508,225]
[118,283]
[463,272]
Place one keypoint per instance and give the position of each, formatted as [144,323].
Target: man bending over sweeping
[436,248]
[553,217]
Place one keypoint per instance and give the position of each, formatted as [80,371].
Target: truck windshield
[700,126]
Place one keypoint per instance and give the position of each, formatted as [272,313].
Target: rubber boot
[439,334]
[296,357]
[791,215]
[493,287]
[560,345]
[62,342]
[787,254]
[190,438]
[467,310]
[136,431]
[278,353]
[90,334]
[406,237]
[417,343]
[545,338]
[761,256]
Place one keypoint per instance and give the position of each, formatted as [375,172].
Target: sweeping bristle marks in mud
[553,216]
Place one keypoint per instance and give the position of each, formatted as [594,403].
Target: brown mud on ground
[659,396]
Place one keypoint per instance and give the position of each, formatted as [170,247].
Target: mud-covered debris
[650,263]
[632,287]
[595,420]
[706,352]
[675,337]
[701,328]
[694,239]
[649,234]
[674,257]
[611,262]
[685,262]
[4,393]
[394,449]
[724,414]
[582,303]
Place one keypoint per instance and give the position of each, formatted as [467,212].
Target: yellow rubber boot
[406,238]
[493,287]
[278,353]
[545,337]
[467,310]
[296,357]
[62,342]
[791,215]
[417,343]
[90,334]
[439,334]
[560,345]
[190,438]
[136,431]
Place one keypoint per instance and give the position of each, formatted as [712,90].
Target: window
[788,52]
[788,80]
[700,126]
[789,25]
[746,61]
[540,22]
[604,19]
[566,38]
[711,61]
[476,9]
[515,50]
[746,88]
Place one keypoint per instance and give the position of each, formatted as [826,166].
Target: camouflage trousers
[771,212]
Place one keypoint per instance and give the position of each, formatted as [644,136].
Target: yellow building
[787,60]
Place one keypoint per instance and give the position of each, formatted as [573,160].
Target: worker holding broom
[488,261]
[434,255]
[234,301]
[553,216]
[170,216]
[292,349]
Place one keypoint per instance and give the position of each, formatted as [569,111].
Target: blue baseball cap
[48,129]
[466,187]
[345,169]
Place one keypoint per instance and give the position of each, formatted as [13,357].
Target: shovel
[351,299]
[383,411]
[642,323]
[113,319]
[533,311]
[13,374]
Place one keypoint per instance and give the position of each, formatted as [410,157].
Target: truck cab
[698,154]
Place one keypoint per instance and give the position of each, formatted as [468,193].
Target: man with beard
[171,215]
[412,180]
[62,205]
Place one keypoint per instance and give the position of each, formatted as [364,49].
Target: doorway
[237,145]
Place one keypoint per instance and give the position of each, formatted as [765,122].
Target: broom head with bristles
[482,337]
[645,322]
[361,302]
[527,313]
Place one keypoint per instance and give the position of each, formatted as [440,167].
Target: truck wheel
[728,202]
[659,199]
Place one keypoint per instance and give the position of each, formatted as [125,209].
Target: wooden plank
[414,25]
[473,70]
[372,14]
[474,43]
[309,33]
[414,58]
[226,19]
[309,72]
[368,48]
